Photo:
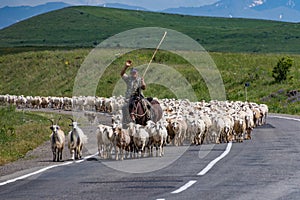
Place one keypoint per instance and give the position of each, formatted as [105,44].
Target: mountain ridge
[278,10]
[11,15]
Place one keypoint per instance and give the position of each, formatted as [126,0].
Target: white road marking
[215,161]
[43,170]
[184,187]
[204,171]
[289,118]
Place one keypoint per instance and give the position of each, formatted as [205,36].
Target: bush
[281,70]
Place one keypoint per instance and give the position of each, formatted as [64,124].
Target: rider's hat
[133,71]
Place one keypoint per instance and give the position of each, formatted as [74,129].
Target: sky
[148,4]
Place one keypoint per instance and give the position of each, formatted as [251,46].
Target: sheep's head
[119,131]
[115,123]
[150,125]
[108,132]
[175,125]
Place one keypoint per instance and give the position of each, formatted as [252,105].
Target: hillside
[75,27]
[29,73]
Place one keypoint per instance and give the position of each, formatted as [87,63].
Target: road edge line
[42,170]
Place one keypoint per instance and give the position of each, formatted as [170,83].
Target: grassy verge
[21,132]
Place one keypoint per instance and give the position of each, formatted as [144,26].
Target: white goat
[57,141]
[76,140]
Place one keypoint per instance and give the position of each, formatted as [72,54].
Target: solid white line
[212,163]
[43,170]
[34,173]
[289,118]
[184,187]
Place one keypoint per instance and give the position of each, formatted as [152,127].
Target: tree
[281,70]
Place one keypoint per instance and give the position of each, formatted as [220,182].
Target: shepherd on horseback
[135,85]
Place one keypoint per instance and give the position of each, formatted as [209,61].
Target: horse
[140,113]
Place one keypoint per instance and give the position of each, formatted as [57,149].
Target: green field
[52,73]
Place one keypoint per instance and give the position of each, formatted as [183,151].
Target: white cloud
[149,4]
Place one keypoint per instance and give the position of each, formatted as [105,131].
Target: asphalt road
[266,167]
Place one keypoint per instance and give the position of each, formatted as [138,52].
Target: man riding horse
[135,85]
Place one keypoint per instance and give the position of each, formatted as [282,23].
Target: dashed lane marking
[215,161]
[184,187]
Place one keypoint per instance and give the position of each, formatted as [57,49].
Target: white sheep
[200,131]
[157,136]
[160,137]
[122,142]
[264,112]
[140,139]
[239,128]
[177,129]
[105,139]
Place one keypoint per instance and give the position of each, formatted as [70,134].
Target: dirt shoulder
[39,157]
[42,155]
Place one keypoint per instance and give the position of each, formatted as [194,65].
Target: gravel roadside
[42,155]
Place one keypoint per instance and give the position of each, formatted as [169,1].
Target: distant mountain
[280,10]
[11,15]
[123,6]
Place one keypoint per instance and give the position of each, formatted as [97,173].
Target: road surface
[266,167]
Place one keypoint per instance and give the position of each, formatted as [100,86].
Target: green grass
[52,73]
[83,26]
[21,132]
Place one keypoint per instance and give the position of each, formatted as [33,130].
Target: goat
[76,139]
[57,141]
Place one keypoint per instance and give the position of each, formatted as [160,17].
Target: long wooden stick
[162,39]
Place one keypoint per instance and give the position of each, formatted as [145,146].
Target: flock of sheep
[83,103]
[183,122]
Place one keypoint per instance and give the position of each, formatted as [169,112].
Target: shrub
[281,70]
